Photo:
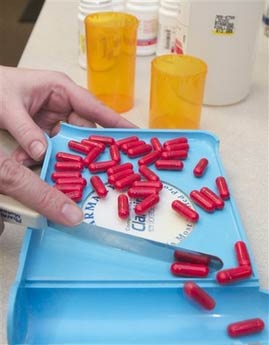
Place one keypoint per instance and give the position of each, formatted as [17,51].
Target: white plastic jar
[146,12]
[118,5]
[87,7]
[167,22]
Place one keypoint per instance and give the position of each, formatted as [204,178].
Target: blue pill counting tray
[70,291]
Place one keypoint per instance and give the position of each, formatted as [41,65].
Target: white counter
[242,129]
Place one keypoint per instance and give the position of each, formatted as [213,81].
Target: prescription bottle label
[224,25]
[161,223]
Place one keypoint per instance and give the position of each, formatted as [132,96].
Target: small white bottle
[146,12]
[87,7]
[118,5]
[167,22]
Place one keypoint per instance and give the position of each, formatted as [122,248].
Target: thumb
[22,127]
[25,186]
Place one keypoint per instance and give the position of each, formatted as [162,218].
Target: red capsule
[245,327]
[75,195]
[185,269]
[233,274]
[68,166]
[118,168]
[219,203]
[123,141]
[148,173]
[192,258]
[185,211]
[203,201]
[71,180]
[140,150]
[79,147]
[175,147]
[175,141]
[141,192]
[106,140]
[125,147]
[146,204]
[222,188]
[149,158]
[93,144]
[65,188]
[119,175]
[68,157]
[180,154]
[127,181]
[155,142]
[92,156]
[114,153]
[199,295]
[98,186]
[123,206]
[169,164]
[101,166]
[242,254]
[65,174]
[151,184]
[200,167]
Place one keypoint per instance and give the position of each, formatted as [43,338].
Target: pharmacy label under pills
[160,223]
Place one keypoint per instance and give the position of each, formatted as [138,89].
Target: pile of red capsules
[146,185]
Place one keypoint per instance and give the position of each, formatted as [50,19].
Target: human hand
[32,102]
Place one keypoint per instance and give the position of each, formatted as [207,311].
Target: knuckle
[11,174]
[47,199]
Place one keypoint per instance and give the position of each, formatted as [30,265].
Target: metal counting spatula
[14,212]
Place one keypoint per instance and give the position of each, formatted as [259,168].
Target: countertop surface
[242,129]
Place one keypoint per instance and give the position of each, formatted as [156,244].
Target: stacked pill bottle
[167,22]
[87,7]
[146,12]
[118,5]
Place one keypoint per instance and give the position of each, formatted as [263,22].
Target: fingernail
[37,149]
[72,214]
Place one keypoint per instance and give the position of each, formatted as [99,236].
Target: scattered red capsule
[101,166]
[185,211]
[123,141]
[219,203]
[185,269]
[156,144]
[99,186]
[141,192]
[119,175]
[146,204]
[169,164]
[75,195]
[180,154]
[222,188]
[203,201]
[106,140]
[92,156]
[118,168]
[176,147]
[140,150]
[68,166]
[114,153]
[233,274]
[79,147]
[192,258]
[68,157]
[127,181]
[125,147]
[71,180]
[65,174]
[65,188]
[175,141]
[151,184]
[245,327]
[199,295]
[93,144]
[123,206]
[148,173]
[200,167]
[149,158]
[242,254]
